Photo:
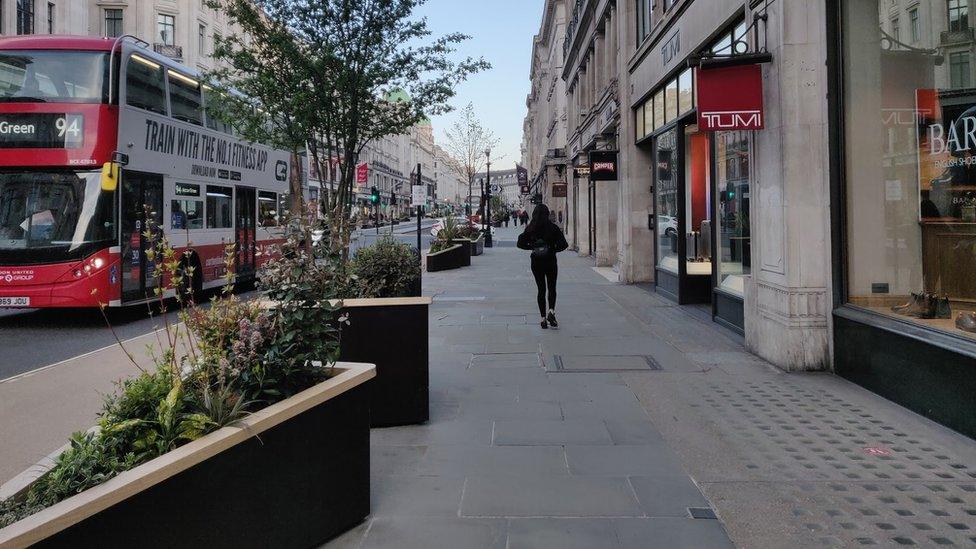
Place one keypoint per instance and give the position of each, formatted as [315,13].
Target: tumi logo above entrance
[730,98]
[731,120]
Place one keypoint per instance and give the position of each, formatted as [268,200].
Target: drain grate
[603,363]
[703,513]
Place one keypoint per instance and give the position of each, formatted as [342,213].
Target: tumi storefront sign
[730,98]
[603,166]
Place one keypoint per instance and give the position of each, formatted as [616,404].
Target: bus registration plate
[14,302]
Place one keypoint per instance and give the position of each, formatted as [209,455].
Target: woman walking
[545,240]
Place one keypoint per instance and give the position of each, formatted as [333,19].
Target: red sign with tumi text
[730,98]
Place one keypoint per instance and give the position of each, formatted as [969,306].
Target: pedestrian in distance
[507,218]
[544,239]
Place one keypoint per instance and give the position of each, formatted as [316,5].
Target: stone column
[787,302]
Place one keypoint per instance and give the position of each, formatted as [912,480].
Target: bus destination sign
[41,131]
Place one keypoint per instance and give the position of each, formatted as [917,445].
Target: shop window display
[732,162]
[910,123]
[666,157]
[698,203]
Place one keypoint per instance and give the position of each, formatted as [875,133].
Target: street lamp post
[488,242]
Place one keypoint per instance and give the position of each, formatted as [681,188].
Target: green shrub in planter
[212,369]
[388,268]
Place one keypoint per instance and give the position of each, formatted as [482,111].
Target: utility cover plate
[591,363]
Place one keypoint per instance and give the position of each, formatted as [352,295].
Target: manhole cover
[596,363]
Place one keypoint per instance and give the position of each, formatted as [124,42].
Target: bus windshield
[53,76]
[53,216]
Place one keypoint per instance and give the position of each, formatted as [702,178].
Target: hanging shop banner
[730,98]
[362,173]
[582,171]
[525,189]
[559,190]
[522,174]
[603,165]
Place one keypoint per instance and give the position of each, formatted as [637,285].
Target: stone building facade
[181,29]
[545,126]
[758,249]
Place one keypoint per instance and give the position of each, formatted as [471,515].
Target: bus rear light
[77,273]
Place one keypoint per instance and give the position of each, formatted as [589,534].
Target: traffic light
[374,195]
[392,198]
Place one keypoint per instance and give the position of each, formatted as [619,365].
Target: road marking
[83,355]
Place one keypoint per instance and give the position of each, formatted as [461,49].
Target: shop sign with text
[730,98]
[362,173]
[559,190]
[603,166]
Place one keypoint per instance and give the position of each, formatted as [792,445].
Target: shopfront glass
[698,203]
[910,122]
[732,164]
[666,189]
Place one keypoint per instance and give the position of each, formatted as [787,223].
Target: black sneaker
[552,319]
[544,324]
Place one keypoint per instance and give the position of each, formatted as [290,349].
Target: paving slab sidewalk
[635,415]
[535,439]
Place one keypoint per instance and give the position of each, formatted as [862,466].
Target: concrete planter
[454,257]
[294,474]
[478,246]
[392,334]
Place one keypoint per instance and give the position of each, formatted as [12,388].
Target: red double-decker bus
[100,138]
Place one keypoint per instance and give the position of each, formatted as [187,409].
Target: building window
[910,187]
[645,14]
[25,16]
[202,39]
[113,23]
[895,30]
[166,29]
[958,14]
[913,19]
[50,18]
[959,69]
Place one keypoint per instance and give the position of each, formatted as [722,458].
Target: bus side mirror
[110,177]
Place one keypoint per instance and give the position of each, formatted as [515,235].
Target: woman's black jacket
[550,234]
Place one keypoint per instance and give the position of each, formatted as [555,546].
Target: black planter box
[298,483]
[466,244]
[392,334]
[478,247]
[454,257]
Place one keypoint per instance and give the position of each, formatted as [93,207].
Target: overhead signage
[582,171]
[41,131]
[362,173]
[522,174]
[603,166]
[730,98]
[559,190]
[182,189]
[418,196]
[525,189]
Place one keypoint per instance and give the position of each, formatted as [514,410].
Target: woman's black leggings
[545,280]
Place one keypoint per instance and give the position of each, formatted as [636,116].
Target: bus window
[211,111]
[144,86]
[53,76]
[186,214]
[284,206]
[219,207]
[184,98]
[268,208]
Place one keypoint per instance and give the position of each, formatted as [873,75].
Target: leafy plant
[388,268]
[210,370]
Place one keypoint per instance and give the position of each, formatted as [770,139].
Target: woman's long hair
[540,221]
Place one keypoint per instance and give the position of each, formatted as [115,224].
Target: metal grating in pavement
[603,363]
